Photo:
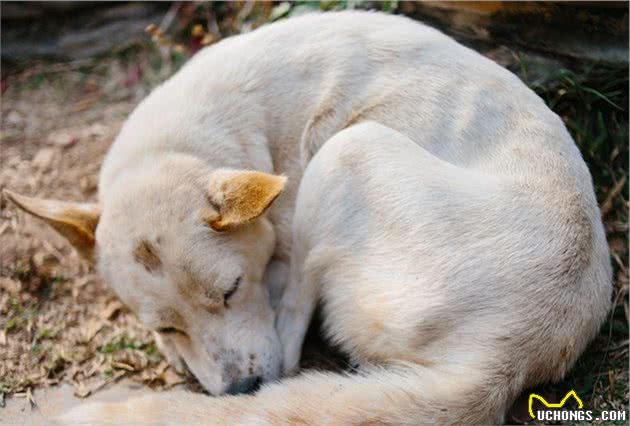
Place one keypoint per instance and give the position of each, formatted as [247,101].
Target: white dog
[467,267]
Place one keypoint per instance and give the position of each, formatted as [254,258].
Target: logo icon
[551,405]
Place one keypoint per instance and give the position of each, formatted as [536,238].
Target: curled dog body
[197,198]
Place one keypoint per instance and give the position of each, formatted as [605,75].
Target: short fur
[460,271]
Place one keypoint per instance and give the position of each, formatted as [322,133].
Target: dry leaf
[43,159]
[45,263]
[30,398]
[4,227]
[198,31]
[111,309]
[171,378]
[122,366]
[10,286]
[81,390]
[94,388]
[91,329]
[96,130]
[161,368]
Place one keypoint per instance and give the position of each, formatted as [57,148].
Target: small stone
[96,130]
[14,118]
[61,138]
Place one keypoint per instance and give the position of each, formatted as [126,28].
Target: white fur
[420,272]
[459,248]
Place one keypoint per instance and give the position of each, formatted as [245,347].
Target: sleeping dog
[458,251]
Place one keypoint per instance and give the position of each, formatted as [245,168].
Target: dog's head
[186,250]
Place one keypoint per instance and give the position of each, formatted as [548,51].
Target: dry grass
[58,323]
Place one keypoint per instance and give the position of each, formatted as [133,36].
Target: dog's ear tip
[75,221]
[16,198]
[7,193]
[218,226]
[240,196]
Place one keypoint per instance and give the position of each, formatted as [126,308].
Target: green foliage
[286,9]
[18,316]
[120,343]
[124,342]
[593,104]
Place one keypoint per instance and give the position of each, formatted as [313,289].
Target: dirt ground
[58,322]
[63,335]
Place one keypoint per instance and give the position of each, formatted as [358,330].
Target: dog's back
[462,271]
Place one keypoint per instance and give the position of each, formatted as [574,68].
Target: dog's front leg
[276,277]
[294,314]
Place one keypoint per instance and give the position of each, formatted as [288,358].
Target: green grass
[124,342]
[18,316]
[593,104]
[119,343]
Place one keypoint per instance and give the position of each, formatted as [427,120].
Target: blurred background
[72,71]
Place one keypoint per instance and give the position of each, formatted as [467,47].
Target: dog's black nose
[247,385]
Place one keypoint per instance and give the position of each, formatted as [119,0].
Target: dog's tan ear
[75,221]
[241,196]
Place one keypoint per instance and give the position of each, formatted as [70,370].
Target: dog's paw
[291,359]
[291,336]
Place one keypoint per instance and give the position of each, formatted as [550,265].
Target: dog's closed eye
[170,330]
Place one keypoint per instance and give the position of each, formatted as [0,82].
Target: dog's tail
[401,395]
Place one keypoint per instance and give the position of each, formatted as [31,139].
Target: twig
[601,364]
[617,259]
[608,204]
[169,17]
[244,13]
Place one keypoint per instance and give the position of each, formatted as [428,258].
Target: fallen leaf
[4,227]
[111,309]
[91,329]
[122,366]
[171,378]
[44,158]
[30,398]
[96,130]
[161,368]
[45,263]
[81,391]
[10,286]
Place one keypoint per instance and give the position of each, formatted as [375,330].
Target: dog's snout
[247,385]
